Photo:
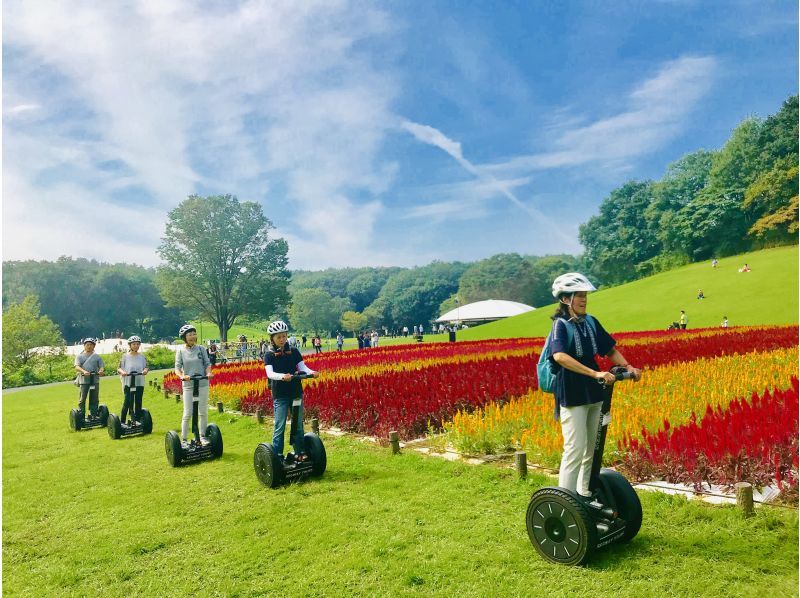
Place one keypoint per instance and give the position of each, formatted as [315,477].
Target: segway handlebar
[132,378]
[620,373]
[301,376]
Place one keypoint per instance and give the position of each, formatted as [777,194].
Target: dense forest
[708,203]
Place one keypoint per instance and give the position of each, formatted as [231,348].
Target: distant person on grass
[339,341]
[724,322]
[86,363]
[683,320]
[577,392]
[700,294]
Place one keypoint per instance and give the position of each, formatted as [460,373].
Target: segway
[194,451]
[139,423]
[273,471]
[79,421]
[566,527]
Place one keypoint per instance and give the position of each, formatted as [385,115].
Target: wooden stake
[259,416]
[315,425]
[177,398]
[521,459]
[220,407]
[394,439]
[744,498]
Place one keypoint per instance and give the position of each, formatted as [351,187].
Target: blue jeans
[282,407]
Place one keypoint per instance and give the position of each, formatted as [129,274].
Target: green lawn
[766,295]
[84,515]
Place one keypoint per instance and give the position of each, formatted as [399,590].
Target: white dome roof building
[485,311]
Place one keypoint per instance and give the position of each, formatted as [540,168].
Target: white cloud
[269,101]
[655,113]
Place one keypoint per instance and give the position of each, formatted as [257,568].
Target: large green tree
[24,328]
[616,240]
[221,262]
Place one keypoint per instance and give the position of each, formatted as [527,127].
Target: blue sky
[372,133]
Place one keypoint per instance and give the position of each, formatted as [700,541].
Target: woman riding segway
[132,361]
[281,363]
[192,360]
[577,392]
[90,367]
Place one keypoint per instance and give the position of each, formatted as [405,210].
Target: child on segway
[192,360]
[578,395]
[90,367]
[132,361]
[281,362]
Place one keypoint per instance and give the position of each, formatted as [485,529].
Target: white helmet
[276,327]
[134,339]
[185,329]
[89,339]
[571,282]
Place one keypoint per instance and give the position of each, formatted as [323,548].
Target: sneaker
[204,442]
[185,443]
[289,458]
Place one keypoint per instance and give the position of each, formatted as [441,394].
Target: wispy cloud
[655,112]
[467,200]
[433,136]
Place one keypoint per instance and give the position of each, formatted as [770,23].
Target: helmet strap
[573,316]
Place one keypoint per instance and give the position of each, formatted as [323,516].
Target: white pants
[579,427]
[202,411]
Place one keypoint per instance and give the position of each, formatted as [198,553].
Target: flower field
[484,395]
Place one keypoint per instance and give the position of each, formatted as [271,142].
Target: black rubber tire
[214,435]
[114,427]
[269,469]
[312,445]
[172,445]
[102,412]
[560,527]
[147,421]
[628,505]
[75,420]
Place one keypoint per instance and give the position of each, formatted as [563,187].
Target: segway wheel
[560,527]
[628,505]
[214,435]
[102,412]
[269,470]
[147,421]
[172,445]
[75,420]
[312,444]
[114,427]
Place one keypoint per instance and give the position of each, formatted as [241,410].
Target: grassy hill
[766,295]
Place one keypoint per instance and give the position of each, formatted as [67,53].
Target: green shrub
[159,357]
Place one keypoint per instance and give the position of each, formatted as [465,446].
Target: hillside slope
[766,295]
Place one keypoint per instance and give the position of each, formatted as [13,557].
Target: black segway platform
[566,527]
[272,471]
[79,421]
[179,454]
